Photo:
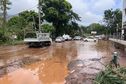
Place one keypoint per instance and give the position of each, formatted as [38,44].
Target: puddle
[61,63]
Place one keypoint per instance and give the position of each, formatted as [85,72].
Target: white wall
[124,13]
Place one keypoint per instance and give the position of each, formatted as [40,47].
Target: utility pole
[39,7]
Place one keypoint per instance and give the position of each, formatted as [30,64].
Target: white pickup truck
[37,39]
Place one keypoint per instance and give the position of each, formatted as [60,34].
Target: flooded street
[49,65]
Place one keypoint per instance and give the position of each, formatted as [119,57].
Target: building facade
[124,20]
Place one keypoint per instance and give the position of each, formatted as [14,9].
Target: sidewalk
[118,41]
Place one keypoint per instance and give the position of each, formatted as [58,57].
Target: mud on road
[68,62]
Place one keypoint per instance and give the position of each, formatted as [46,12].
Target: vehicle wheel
[48,43]
[41,44]
[30,45]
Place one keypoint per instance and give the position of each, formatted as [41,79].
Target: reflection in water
[51,70]
[49,65]
[20,76]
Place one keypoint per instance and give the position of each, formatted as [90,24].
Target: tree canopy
[59,13]
[100,29]
[113,19]
[4,6]
[47,28]
[1,20]
[23,21]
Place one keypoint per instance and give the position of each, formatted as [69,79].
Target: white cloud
[92,17]
[21,5]
[89,17]
[102,5]
[79,5]
[90,10]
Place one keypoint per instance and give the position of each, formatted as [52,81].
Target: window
[125,11]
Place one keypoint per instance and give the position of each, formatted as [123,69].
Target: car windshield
[90,37]
[77,36]
[59,37]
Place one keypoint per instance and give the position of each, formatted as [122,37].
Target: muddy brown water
[49,65]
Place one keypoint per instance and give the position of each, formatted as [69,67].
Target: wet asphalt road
[51,65]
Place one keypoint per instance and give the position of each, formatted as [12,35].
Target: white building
[124,19]
[124,12]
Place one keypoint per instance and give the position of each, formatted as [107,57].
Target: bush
[2,38]
[111,76]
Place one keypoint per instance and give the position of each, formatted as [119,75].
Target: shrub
[111,76]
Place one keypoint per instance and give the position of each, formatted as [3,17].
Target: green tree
[4,6]
[17,21]
[24,21]
[1,20]
[31,16]
[47,28]
[71,29]
[28,15]
[100,29]
[84,28]
[113,19]
[59,13]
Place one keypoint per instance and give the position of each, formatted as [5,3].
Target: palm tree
[4,6]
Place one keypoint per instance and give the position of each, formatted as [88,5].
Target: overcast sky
[90,11]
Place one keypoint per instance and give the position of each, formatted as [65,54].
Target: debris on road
[79,73]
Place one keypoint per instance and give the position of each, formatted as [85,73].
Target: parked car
[77,38]
[99,37]
[89,39]
[59,39]
[67,37]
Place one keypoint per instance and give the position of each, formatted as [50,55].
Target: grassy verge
[15,42]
